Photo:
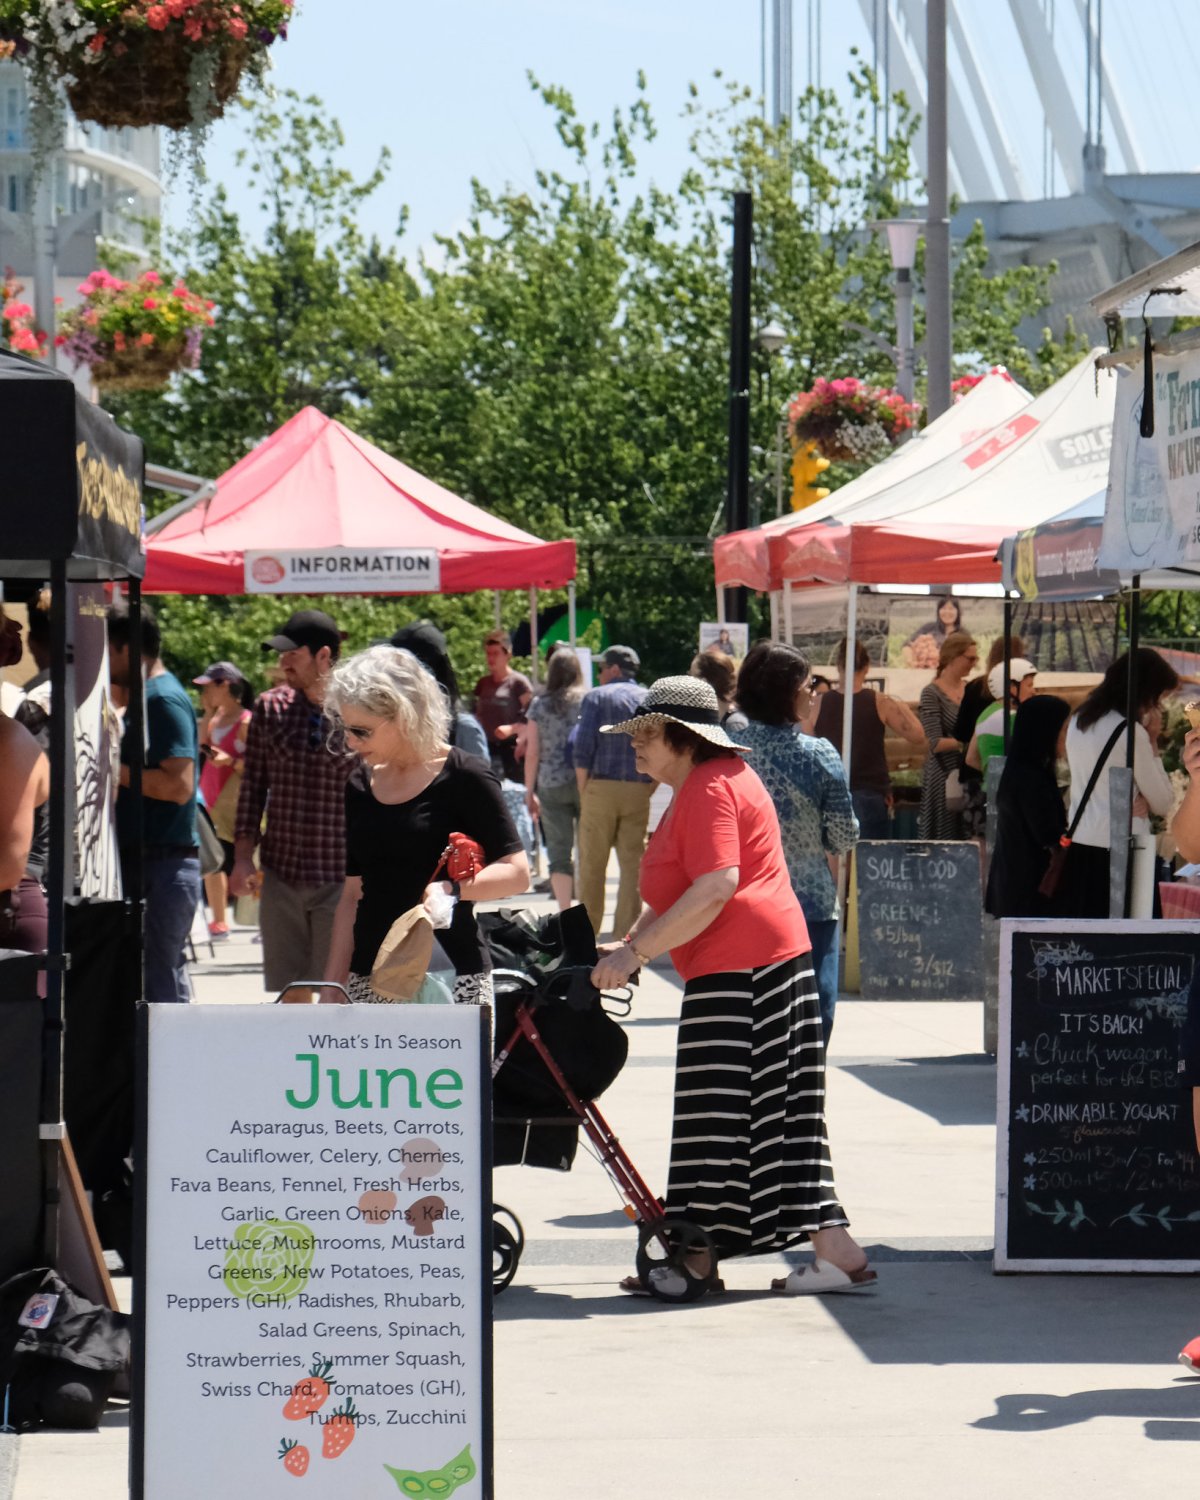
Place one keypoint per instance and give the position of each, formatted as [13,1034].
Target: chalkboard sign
[919,921]
[1096,1160]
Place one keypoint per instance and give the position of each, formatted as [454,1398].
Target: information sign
[1096,1158]
[316,1305]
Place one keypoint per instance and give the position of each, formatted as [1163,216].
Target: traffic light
[807,467]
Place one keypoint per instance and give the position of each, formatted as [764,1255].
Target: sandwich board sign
[315,1217]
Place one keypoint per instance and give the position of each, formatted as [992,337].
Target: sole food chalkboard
[1096,1161]
[920,929]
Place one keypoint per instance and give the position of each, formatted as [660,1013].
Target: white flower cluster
[58,24]
[868,442]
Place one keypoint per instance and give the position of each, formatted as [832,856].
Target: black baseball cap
[307,627]
[220,671]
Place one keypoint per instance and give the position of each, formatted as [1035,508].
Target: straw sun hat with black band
[681,700]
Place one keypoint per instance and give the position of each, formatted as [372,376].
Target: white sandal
[812,1281]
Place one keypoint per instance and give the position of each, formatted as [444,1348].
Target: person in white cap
[988,739]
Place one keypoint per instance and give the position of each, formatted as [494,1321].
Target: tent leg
[774,596]
[848,675]
[788,633]
[571,634]
[1008,622]
[499,619]
[533,636]
[720,606]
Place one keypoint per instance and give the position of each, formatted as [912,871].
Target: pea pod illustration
[272,1257]
[434,1484]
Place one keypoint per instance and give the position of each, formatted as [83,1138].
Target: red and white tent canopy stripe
[316,484]
[943,521]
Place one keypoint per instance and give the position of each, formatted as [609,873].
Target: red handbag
[462,859]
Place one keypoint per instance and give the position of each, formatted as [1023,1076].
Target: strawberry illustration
[310,1394]
[339,1431]
[295,1457]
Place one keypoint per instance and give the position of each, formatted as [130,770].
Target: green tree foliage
[562,360]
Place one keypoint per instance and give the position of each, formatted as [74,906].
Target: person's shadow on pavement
[1166,1411]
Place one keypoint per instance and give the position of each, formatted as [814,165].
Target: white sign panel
[1152,513]
[317,1291]
[345,570]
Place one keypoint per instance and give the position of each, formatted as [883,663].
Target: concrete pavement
[947,1381]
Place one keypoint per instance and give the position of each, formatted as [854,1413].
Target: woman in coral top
[749,1153]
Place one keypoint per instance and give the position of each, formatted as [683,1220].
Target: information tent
[315,1217]
[1096,1165]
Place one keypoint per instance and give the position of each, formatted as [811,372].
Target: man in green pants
[614,800]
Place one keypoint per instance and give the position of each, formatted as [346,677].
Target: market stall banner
[1152,511]
[1060,560]
[317,1253]
[345,570]
[72,482]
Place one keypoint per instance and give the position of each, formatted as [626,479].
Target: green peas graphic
[271,1257]
[433,1484]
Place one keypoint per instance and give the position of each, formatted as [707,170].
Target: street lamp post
[772,336]
[902,237]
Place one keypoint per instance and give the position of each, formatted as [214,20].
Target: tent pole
[571,614]
[774,597]
[848,675]
[533,636]
[499,619]
[1131,685]
[787,611]
[1008,620]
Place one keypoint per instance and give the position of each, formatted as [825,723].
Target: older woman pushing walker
[749,1154]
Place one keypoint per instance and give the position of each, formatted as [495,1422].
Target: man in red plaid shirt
[295,771]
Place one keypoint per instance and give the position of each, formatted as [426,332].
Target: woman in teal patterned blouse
[807,784]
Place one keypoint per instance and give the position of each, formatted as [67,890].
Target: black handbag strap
[1095,777]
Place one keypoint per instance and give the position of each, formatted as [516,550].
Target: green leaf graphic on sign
[272,1256]
[433,1484]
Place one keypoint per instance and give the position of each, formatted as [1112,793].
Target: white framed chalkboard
[1096,1163]
[920,922]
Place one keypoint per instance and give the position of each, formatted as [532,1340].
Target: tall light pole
[902,237]
[772,336]
[938,313]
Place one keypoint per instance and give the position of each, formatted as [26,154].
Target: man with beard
[295,772]
[170,849]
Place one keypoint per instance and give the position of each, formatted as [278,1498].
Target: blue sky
[443,83]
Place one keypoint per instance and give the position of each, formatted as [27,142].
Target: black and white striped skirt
[749,1154]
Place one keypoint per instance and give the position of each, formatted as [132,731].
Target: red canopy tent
[316,487]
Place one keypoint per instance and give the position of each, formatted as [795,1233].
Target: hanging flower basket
[174,63]
[152,83]
[19,330]
[849,420]
[134,335]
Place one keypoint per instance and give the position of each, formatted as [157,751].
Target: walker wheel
[506,1256]
[667,1246]
[512,1223]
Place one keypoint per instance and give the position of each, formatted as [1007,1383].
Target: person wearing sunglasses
[294,772]
[408,792]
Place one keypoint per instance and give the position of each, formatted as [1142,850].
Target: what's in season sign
[315,1206]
